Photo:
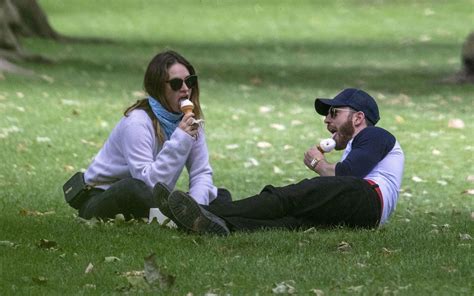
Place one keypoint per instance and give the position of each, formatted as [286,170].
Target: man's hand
[312,157]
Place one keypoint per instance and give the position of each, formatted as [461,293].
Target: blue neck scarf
[168,120]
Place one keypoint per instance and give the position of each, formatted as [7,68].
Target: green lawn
[251,57]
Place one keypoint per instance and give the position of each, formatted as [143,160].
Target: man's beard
[345,133]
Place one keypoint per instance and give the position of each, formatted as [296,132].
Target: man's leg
[321,201]
[130,197]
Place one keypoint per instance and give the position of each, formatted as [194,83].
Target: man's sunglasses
[177,83]
[333,111]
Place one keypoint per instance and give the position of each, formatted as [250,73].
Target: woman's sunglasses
[333,111]
[177,83]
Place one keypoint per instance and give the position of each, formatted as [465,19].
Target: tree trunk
[34,21]
[466,74]
[21,18]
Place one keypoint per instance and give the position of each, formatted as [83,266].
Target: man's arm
[315,161]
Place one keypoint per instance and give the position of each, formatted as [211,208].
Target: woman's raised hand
[189,125]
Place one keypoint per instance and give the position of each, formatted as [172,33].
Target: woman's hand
[188,125]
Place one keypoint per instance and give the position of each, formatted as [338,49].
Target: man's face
[339,123]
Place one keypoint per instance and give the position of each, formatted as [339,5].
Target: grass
[249,54]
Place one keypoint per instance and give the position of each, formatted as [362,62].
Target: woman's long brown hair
[154,82]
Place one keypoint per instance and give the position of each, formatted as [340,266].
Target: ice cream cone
[186,106]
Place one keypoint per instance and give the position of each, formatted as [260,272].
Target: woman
[151,145]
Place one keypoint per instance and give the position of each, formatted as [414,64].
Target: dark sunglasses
[333,111]
[177,83]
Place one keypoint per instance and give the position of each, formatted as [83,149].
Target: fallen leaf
[277,126]
[428,12]
[317,292]
[256,81]
[8,244]
[277,170]
[40,280]
[468,191]
[284,288]
[344,247]
[356,289]
[296,122]
[90,286]
[232,146]
[399,119]
[139,93]
[417,179]
[424,38]
[111,259]
[264,145]
[442,182]
[465,236]
[470,178]
[24,212]
[119,219]
[265,109]
[456,123]
[435,152]
[154,276]
[43,139]
[89,268]
[47,244]
[47,78]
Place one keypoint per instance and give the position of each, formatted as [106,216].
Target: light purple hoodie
[133,151]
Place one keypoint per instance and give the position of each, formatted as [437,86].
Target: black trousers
[130,197]
[317,202]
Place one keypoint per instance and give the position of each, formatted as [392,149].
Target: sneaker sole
[193,217]
[161,194]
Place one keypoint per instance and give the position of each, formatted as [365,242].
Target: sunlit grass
[261,64]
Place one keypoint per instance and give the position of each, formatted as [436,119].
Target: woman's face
[173,96]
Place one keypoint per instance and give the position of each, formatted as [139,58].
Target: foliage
[261,64]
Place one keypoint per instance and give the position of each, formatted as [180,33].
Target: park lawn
[261,64]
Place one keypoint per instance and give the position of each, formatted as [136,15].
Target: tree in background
[21,18]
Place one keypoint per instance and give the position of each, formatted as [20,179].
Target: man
[359,191]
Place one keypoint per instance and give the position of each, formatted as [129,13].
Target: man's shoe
[195,218]
[161,192]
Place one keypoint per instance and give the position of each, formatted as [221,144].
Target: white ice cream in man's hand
[327,145]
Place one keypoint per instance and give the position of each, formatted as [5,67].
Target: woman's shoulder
[137,116]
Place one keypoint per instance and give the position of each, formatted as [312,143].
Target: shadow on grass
[376,66]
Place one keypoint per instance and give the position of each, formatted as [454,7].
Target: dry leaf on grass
[465,236]
[284,288]
[40,280]
[456,123]
[468,191]
[264,145]
[24,212]
[317,292]
[344,247]
[89,268]
[111,259]
[155,276]
[8,244]
[47,244]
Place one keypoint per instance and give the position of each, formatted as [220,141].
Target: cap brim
[322,106]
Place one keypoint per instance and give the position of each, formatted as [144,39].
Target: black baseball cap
[357,99]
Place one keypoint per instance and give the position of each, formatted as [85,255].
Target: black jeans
[317,202]
[130,197]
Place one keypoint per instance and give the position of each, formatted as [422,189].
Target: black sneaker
[195,218]
[161,192]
